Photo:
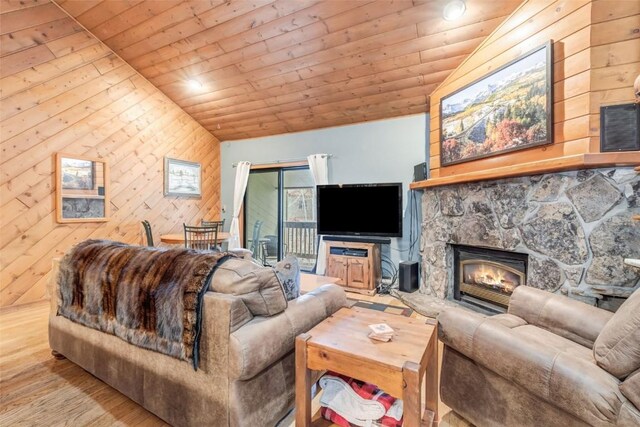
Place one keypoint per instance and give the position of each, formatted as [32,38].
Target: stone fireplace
[485,278]
[575,228]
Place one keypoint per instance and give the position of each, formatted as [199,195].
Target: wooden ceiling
[270,67]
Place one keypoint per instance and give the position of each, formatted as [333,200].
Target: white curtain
[319,167]
[242,176]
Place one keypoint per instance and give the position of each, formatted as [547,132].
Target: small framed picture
[182,178]
[81,189]
[77,174]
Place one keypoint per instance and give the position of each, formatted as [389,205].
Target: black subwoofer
[408,276]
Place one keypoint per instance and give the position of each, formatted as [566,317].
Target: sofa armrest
[456,328]
[576,384]
[333,297]
[571,319]
[222,314]
[631,388]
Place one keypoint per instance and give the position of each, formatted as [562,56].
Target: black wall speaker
[619,128]
[409,276]
[420,172]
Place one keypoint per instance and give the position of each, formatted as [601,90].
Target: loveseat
[549,361]
[246,373]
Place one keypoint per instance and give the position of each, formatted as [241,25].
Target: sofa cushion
[288,271]
[631,388]
[239,314]
[629,416]
[508,320]
[548,339]
[257,286]
[617,348]
[563,316]
[263,341]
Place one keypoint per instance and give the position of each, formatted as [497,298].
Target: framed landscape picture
[507,110]
[182,178]
[77,174]
[82,189]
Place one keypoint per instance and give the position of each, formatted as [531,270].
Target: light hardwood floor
[37,390]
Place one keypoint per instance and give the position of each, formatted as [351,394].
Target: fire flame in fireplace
[489,275]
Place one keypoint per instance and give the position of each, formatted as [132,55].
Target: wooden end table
[398,367]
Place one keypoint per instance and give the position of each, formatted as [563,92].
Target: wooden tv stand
[357,265]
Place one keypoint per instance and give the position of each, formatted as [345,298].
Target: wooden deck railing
[300,239]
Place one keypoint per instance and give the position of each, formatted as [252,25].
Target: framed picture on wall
[182,178]
[509,109]
[82,189]
[77,174]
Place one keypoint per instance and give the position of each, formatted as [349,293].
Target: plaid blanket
[366,391]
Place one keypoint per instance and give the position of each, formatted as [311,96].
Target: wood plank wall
[596,59]
[615,58]
[63,90]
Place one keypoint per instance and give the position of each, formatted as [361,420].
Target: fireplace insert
[485,278]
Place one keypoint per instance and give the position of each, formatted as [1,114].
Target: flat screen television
[360,210]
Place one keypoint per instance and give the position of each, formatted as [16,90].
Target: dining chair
[314,269]
[270,250]
[201,238]
[258,245]
[147,232]
[205,223]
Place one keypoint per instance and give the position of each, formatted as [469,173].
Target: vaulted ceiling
[269,67]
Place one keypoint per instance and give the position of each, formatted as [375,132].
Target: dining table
[178,238]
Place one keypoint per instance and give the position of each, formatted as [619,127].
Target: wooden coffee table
[398,367]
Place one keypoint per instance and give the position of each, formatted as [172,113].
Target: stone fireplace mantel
[576,228]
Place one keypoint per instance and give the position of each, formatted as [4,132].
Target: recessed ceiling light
[194,84]
[453,10]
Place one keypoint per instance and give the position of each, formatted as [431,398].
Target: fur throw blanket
[149,297]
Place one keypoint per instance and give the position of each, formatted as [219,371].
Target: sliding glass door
[299,216]
[261,215]
[279,215]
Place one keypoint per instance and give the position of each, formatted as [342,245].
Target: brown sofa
[246,374]
[550,361]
